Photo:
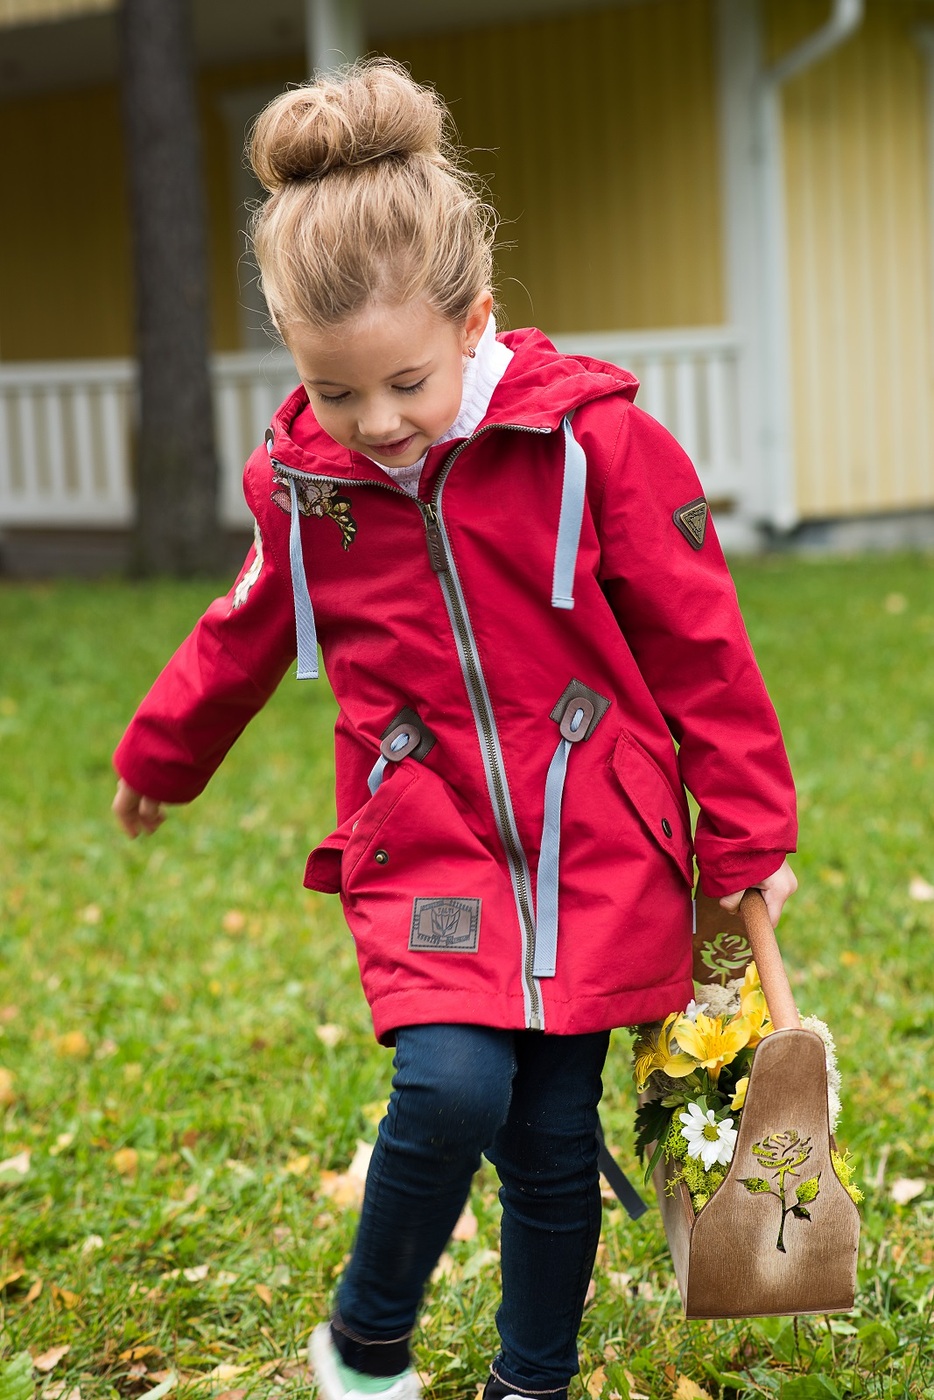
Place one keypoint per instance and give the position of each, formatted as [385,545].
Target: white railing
[66,427]
[688,380]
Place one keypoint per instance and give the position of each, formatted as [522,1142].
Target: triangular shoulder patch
[691,520]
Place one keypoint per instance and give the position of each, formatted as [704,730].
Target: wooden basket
[754,1252]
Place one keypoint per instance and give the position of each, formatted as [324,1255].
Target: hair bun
[368,112]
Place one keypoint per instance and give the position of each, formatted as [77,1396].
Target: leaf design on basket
[725,954]
[781,1154]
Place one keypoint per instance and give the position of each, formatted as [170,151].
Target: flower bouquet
[737,1110]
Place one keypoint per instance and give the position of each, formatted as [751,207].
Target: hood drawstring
[306,637]
[573,489]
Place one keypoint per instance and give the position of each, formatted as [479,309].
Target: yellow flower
[712,1043]
[739,1098]
[753,1009]
[654,1051]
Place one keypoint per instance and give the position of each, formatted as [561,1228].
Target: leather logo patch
[445,926]
[691,520]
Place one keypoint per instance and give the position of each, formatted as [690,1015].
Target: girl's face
[389,382]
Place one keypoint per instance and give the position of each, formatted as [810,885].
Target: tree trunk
[177,529]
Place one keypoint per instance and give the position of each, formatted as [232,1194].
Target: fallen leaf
[15,1166]
[92,1243]
[225,1372]
[137,1372]
[920,890]
[298,1166]
[224,1278]
[905,1189]
[596,1382]
[7,1279]
[7,1092]
[234,921]
[330,1034]
[60,1390]
[264,1293]
[65,1296]
[34,1291]
[591,1293]
[138,1353]
[90,914]
[49,1359]
[482,1259]
[63,1141]
[126,1161]
[196,1273]
[466,1227]
[444,1268]
[346,1188]
[686,1389]
[72,1045]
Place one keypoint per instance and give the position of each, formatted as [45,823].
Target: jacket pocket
[325,866]
[663,813]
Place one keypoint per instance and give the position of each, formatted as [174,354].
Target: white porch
[66,429]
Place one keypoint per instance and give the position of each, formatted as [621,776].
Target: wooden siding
[597,133]
[860,257]
[65,274]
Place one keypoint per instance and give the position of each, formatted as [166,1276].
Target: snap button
[666,826]
[381,857]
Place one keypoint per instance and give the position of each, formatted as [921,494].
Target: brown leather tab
[421,740]
[577,696]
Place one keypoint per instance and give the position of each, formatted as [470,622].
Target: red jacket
[444,644]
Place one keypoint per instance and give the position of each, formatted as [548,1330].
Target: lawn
[187,1067]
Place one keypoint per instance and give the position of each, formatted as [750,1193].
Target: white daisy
[712,1141]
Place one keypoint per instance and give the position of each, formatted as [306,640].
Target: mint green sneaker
[336,1381]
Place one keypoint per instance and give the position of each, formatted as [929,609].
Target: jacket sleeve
[222,674]
[678,610]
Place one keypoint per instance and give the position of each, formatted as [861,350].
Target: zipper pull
[436,554]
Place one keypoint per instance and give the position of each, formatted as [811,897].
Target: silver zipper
[497,784]
[441,560]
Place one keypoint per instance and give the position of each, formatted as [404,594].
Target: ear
[477,317]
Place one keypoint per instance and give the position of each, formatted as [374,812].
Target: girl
[523,610]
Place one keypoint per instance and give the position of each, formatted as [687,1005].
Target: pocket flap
[661,810]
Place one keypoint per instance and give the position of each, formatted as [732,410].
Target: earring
[471,352]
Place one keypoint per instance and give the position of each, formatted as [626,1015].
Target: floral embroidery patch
[250,575]
[317,498]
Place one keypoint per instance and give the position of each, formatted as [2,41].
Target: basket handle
[771,969]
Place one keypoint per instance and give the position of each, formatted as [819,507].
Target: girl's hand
[775,890]
[136,813]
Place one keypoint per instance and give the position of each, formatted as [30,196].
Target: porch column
[334,33]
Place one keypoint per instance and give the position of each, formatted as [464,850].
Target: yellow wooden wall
[65,272]
[597,131]
[858,181]
[598,135]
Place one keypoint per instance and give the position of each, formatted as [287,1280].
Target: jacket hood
[540,386]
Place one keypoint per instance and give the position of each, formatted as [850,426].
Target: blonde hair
[367,201]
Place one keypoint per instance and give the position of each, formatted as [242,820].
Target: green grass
[166,997]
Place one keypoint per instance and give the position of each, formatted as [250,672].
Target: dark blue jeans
[527,1100]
